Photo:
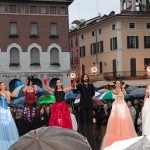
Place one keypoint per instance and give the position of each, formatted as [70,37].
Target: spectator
[73,119]
[19,121]
[96,128]
[137,107]
[47,114]
[132,110]
[42,118]
[104,115]
[139,124]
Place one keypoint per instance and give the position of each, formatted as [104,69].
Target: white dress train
[146,116]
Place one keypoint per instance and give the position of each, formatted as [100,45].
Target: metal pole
[96,50]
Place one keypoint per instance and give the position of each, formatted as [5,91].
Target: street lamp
[94,69]
[148,69]
[72,75]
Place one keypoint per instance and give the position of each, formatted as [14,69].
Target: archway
[38,82]
[52,83]
[14,84]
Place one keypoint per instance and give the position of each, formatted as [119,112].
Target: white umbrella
[131,143]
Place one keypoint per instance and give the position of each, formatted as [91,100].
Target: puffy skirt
[30,118]
[146,118]
[60,115]
[8,130]
[120,125]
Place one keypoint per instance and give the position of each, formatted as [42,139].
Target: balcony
[125,75]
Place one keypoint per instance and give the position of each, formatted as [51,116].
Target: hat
[105,105]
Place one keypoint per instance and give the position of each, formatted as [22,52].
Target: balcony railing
[125,75]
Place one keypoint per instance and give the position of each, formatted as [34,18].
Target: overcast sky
[87,9]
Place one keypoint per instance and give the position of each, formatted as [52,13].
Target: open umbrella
[106,96]
[131,88]
[18,92]
[18,83]
[18,102]
[138,143]
[51,138]
[70,95]
[103,90]
[95,99]
[143,144]
[97,102]
[138,93]
[46,99]
[128,97]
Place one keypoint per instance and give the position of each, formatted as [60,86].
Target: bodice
[3,102]
[119,97]
[148,91]
[59,95]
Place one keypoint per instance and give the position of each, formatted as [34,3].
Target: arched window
[54,56]
[35,56]
[14,56]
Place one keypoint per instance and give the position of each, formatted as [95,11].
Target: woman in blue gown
[8,129]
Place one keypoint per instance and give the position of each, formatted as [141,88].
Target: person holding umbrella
[8,130]
[60,114]
[120,125]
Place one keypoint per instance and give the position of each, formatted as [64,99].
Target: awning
[144,82]
[100,83]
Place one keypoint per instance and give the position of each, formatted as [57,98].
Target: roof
[98,19]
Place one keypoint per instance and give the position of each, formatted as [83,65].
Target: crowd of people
[100,124]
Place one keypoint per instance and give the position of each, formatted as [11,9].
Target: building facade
[118,43]
[75,52]
[32,41]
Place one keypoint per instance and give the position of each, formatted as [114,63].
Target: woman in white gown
[146,113]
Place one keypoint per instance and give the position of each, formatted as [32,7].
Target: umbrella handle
[36,135]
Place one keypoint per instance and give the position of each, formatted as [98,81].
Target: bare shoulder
[7,92]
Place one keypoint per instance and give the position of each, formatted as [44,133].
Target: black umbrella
[51,138]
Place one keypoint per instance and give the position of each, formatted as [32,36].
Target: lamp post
[94,69]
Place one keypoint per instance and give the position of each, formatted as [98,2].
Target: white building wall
[44,69]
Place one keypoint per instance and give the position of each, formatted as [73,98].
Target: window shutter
[128,42]
[145,42]
[35,56]
[14,56]
[54,55]
[111,44]
[137,42]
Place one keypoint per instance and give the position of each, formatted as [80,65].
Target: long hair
[0,84]
[5,86]
[30,78]
[56,86]
[121,83]
[82,78]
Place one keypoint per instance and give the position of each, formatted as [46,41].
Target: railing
[125,75]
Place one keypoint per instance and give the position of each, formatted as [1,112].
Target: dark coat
[86,95]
